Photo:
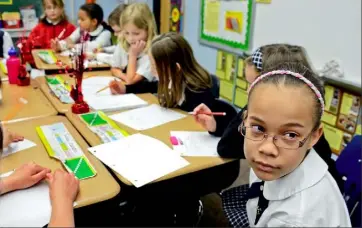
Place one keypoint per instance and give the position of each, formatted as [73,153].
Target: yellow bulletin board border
[6,2]
[222,43]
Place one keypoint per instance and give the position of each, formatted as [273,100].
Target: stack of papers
[193,143]
[139,158]
[147,117]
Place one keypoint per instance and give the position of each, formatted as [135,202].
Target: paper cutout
[17,147]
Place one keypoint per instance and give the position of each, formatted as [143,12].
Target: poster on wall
[176,16]
[6,2]
[226,24]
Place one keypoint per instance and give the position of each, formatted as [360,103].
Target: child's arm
[102,40]
[231,143]
[118,59]
[63,188]
[68,43]
[132,76]
[23,177]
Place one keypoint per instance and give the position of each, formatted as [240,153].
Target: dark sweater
[192,99]
[231,144]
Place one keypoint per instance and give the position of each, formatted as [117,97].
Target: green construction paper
[52,80]
[93,118]
[84,171]
[221,41]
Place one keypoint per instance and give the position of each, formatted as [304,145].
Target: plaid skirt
[234,205]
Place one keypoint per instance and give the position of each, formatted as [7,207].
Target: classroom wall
[107,5]
[328,29]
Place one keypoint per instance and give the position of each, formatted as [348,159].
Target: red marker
[209,113]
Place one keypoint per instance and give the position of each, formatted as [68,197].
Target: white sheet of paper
[16,147]
[34,73]
[25,208]
[193,143]
[147,117]
[91,85]
[115,102]
[139,158]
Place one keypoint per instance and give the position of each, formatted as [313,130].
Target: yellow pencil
[106,87]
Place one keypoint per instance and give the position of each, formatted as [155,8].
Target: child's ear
[315,136]
[94,22]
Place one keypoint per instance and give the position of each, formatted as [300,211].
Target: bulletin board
[342,116]
[226,25]
[15,6]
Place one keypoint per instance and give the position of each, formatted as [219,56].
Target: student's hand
[207,121]
[54,44]
[98,50]
[117,87]
[136,48]
[10,137]
[24,177]
[63,188]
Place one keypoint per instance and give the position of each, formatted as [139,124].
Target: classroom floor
[213,213]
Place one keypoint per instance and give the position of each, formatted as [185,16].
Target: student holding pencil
[264,58]
[183,82]
[90,20]
[63,186]
[53,25]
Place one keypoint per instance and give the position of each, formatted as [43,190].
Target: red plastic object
[80,106]
[23,78]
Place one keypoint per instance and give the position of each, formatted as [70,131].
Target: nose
[268,148]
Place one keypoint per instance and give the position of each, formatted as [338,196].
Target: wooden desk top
[161,133]
[21,102]
[91,137]
[59,106]
[65,59]
[93,190]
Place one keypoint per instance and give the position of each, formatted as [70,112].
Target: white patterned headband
[257,59]
[299,76]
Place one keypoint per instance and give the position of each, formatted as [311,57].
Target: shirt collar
[307,174]
[52,23]
[97,31]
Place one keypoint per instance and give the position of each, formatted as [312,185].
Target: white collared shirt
[307,197]
[7,44]
[51,22]
[120,60]
[103,39]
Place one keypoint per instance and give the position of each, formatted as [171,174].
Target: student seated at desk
[63,186]
[265,57]
[130,60]
[105,54]
[53,24]
[5,44]
[183,82]
[290,185]
[90,20]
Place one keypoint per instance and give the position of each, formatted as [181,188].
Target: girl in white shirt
[90,20]
[130,60]
[5,44]
[290,185]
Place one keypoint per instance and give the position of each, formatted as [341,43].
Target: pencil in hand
[208,113]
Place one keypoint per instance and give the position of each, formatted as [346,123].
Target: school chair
[349,166]
[215,89]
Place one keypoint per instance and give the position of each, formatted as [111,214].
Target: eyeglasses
[281,141]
